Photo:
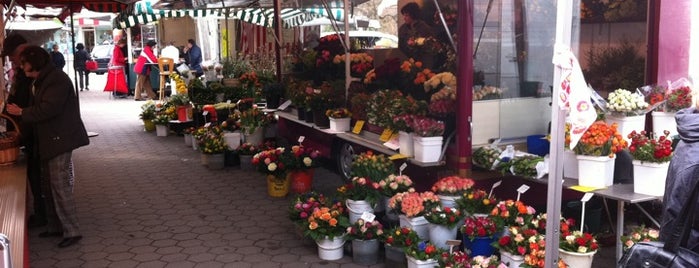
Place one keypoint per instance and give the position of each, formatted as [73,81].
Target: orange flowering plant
[413,204]
[512,213]
[414,71]
[600,139]
[327,221]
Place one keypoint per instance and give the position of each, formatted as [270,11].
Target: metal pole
[72,38]
[464,93]
[348,77]
[278,36]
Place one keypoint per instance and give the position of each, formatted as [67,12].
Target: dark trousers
[34,178]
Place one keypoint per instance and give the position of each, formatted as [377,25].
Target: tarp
[265,16]
[126,20]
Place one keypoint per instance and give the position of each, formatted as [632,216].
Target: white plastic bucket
[339,124]
[331,249]
[161,130]
[627,124]
[664,121]
[357,208]
[649,178]
[418,224]
[577,260]
[439,234]
[570,164]
[595,171]
[405,141]
[511,260]
[427,149]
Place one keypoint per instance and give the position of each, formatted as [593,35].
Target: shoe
[50,234]
[69,241]
[81,89]
[35,221]
[87,89]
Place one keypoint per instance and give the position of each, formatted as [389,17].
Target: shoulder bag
[669,254]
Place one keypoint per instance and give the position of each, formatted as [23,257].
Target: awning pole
[346,43]
[72,37]
[277,36]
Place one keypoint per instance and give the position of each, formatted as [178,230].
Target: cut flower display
[447,216]
[639,234]
[327,221]
[394,184]
[650,150]
[626,103]
[269,162]
[512,213]
[303,205]
[678,99]
[479,227]
[338,113]
[600,139]
[210,140]
[360,188]
[373,166]
[427,127]
[413,204]
[400,237]
[576,241]
[476,201]
[452,185]
[299,158]
[423,251]
[365,230]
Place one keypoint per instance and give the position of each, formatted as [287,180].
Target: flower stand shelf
[649,178]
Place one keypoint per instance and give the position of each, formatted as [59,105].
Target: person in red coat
[116,80]
[143,71]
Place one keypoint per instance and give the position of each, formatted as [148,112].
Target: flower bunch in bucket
[678,99]
[248,149]
[479,227]
[600,139]
[476,201]
[413,204]
[338,113]
[303,205]
[516,241]
[373,166]
[576,241]
[400,237]
[536,249]
[639,234]
[452,185]
[626,103]
[269,162]
[365,230]
[447,216]
[394,184]
[650,150]
[512,213]
[327,221]
[423,251]
[360,188]
[427,127]
[300,158]
[454,259]
[210,140]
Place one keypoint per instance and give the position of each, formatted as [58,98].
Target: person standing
[57,57]
[80,57]
[194,54]
[116,80]
[413,28]
[55,114]
[682,175]
[142,69]
[20,95]
[170,51]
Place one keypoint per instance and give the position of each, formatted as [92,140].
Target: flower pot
[215,161]
[439,234]
[577,260]
[232,140]
[331,249]
[320,120]
[309,116]
[448,200]
[413,263]
[161,130]
[570,164]
[356,208]
[339,124]
[405,141]
[204,159]
[394,257]
[301,180]
[427,149]
[148,125]
[664,121]
[480,246]
[511,260]
[649,178]
[418,224]
[188,139]
[277,187]
[246,162]
[365,252]
[595,171]
[184,113]
[256,137]
[627,124]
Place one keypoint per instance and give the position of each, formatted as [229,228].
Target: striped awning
[129,20]
[337,13]
[265,16]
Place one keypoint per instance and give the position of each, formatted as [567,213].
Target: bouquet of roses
[372,166]
[423,251]
[452,185]
[299,158]
[516,241]
[476,201]
[646,150]
[447,216]
[338,113]
[512,213]
[456,259]
[394,184]
[400,237]
[576,241]
[600,139]
[303,205]
[639,234]
[678,99]
[624,102]
[269,162]
[360,188]
[413,204]
[364,230]
[248,149]
[327,221]
[427,127]
[414,71]
[537,253]
[479,227]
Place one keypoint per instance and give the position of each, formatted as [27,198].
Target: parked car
[102,54]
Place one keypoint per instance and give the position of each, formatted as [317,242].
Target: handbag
[91,65]
[669,254]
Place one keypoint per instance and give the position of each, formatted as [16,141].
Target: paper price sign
[228,102]
[495,185]
[358,127]
[386,135]
[401,168]
[301,138]
[368,217]
[522,189]
[205,113]
[208,124]
[586,197]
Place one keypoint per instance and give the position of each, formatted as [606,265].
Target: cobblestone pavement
[146,201]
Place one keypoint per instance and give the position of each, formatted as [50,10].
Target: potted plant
[478,235]
[451,188]
[513,245]
[651,160]
[577,248]
[403,120]
[212,146]
[373,166]
[508,213]
[269,162]
[476,202]
[389,187]
[300,162]
[361,195]
[396,240]
[327,226]
[413,206]
[147,115]
[443,224]
[160,122]
[627,109]
[427,141]
[595,153]
[639,234]
[365,241]
[339,119]
[422,255]
[252,121]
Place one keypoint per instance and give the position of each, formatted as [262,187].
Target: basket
[9,144]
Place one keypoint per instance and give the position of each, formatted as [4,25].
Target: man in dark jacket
[682,175]
[195,58]
[57,57]
[59,130]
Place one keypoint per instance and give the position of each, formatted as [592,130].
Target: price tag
[587,197]
[358,127]
[204,113]
[386,135]
[495,185]
[393,143]
[284,105]
[450,242]
[301,138]
[208,124]
[523,189]
[368,217]
[396,157]
[228,102]
[402,167]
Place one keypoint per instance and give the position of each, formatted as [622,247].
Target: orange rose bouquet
[600,139]
[327,221]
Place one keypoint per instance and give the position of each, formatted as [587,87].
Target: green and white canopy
[126,20]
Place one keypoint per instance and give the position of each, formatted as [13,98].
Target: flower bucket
[480,246]
[161,130]
[339,124]
[570,164]
[595,171]
[394,257]
[331,249]
[184,113]
[365,252]
[148,125]
[255,137]
[427,149]
[301,180]
[448,200]
[649,178]
[405,141]
[577,260]
[390,214]
[357,208]
[627,124]
[511,260]
[246,162]
[216,161]
[232,140]
[413,263]
[188,139]
[664,121]
[204,159]
[439,234]
[277,187]
[418,224]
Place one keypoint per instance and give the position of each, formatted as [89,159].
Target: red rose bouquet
[447,216]
[576,241]
[479,227]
